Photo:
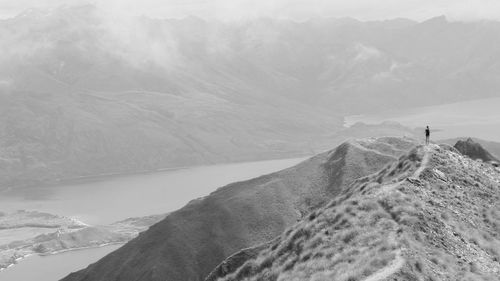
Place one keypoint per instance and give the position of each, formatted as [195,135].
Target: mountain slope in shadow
[474,150]
[492,147]
[190,242]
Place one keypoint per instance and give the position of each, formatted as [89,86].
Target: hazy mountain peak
[438,20]
[34,13]
[268,72]
[67,11]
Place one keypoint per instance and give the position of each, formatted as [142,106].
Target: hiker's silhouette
[427,135]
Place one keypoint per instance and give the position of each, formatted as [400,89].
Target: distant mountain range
[83,93]
[343,65]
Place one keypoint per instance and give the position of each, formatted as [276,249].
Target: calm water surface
[113,199]
[476,118]
[53,268]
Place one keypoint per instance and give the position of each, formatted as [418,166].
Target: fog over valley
[226,140]
[79,90]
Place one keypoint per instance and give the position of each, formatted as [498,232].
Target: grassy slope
[45,137]
[190,242]
[434,215]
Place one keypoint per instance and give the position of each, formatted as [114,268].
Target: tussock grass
[442,228]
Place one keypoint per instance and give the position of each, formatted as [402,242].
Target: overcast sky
[297,9]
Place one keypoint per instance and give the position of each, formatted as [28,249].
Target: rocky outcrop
[474,150]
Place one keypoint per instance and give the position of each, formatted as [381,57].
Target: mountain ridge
[189,243]
[416,219]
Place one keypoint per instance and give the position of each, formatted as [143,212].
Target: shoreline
[13,258]
[21,258]
[16,261]
[80,249]
[106,176]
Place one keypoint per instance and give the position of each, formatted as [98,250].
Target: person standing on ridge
[427,135]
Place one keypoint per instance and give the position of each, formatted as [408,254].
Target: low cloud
[296,9]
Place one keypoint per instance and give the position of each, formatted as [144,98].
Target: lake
[475,118]
[117,198]
[55,267]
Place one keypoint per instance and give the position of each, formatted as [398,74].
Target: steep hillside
[52,136]
[432,215]
[83,93]
[474,150]
[190,242]
[491,146]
